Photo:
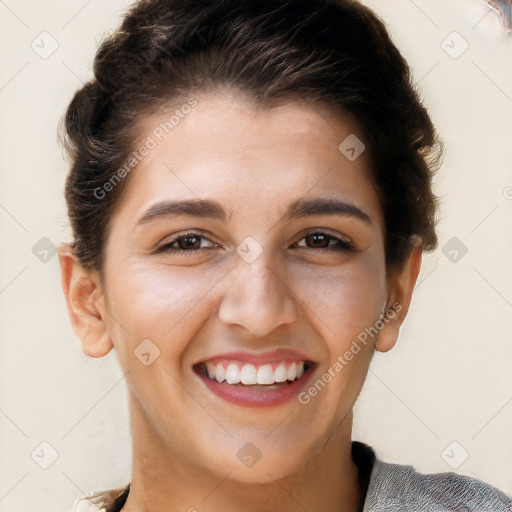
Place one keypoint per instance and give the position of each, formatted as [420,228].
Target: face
[247,247]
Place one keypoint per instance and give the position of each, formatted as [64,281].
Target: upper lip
[280,354]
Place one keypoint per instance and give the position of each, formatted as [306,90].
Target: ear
[400,287]
[85,301]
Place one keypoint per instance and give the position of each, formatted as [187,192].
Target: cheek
[160,303]
[342,302]
[344,299]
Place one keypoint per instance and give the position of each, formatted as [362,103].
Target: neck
[164,479]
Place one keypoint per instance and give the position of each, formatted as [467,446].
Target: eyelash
[343,245]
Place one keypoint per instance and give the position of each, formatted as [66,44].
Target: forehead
[244,155]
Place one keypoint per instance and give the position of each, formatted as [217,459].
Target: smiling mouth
[257,376]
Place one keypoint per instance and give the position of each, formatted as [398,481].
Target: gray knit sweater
[398,488]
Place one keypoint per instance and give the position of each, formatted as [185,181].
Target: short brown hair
[336,51]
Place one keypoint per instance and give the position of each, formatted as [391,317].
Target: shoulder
[402,489]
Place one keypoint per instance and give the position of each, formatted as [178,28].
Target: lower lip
[256,397]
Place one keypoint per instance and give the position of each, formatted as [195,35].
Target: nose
[258,299]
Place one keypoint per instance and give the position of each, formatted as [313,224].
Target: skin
[254,161]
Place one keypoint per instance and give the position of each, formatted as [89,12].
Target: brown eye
[185,243]
[189,242]
[325,243]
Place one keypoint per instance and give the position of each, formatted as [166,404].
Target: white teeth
[232,374]
[280,373]
[265,374]
[248,374]
[220,373]
[252,375]
[292,372]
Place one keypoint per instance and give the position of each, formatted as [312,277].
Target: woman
[250,197]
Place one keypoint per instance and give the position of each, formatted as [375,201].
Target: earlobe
[85,304]
[388,336]
[97,346]
[400,288]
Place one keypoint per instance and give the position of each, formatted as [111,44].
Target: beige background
[448,379]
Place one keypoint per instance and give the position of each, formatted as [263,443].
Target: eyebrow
[207,208]
[196,207]
[325,206]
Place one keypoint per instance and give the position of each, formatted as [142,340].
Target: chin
[262,462]
[266,470]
